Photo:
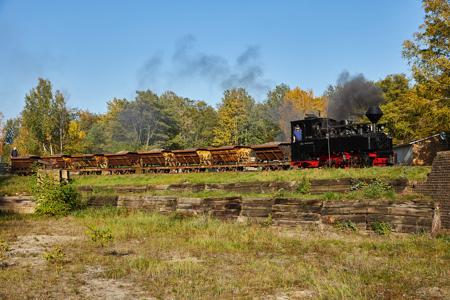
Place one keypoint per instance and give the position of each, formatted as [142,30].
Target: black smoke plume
[352,96]
[187,63]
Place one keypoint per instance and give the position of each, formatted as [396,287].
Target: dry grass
[189,258]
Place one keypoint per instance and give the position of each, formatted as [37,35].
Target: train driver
[298,134]
[14,152]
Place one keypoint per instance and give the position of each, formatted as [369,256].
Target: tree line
[414,107]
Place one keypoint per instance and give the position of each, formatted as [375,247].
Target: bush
[381,228]
[55,256]
[100,236]
[304,186]
[53,198]
[373,190]
[377,188]
[346,225]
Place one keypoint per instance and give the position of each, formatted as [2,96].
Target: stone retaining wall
[17,204]
[404,216]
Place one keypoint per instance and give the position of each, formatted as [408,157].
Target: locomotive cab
[319,142]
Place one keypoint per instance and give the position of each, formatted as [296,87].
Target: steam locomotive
[317,142]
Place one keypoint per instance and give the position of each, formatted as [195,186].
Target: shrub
[357,185]
[381,228]
[346,225]
[54,198]
[55,256]
[373,190]
[304,186]
[377,189]
[100,236]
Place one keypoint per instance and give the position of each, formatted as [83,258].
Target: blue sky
[96,50]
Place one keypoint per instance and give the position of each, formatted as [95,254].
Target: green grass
[203,258]
[411,173]
[11,185]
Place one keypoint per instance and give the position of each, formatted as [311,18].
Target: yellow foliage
[295,105]
[75,131]
[75,138]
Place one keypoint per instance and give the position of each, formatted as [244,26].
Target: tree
[394,86]
[429,52]
[296,104]
[234,118]
[61,119]
[270,112]
[155,126]
[9,133]
[45,119]
[194,121]
[407,114]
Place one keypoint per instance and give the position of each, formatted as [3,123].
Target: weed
[268,221]
[332,196]
[381,228]
[357,185]
[55,256]
[376,189]
[100,236]
[304,186]
[346,225]
[4,247]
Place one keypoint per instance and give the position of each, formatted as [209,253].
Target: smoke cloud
[187,63]
[352,96]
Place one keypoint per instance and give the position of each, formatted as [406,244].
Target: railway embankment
[407,205]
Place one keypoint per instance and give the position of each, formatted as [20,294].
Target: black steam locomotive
[317,142]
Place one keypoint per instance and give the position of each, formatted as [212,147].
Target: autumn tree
[423,109]
[296,104]
[45,119]
[429,52]
[234,119]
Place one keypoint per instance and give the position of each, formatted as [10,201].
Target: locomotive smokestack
[374,114]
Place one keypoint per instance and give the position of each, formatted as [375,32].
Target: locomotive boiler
[317,142]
